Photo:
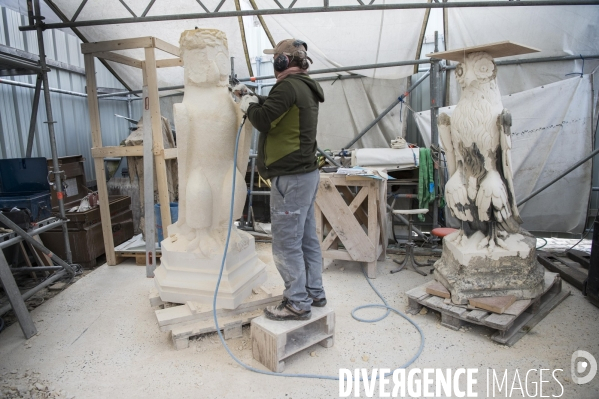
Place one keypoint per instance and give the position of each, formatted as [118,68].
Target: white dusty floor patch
[99,338]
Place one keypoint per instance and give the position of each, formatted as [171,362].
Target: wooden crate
[510,326]
[353,220]
[275,341]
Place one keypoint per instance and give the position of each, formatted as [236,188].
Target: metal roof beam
[128,8]
[79,9]
[305,10]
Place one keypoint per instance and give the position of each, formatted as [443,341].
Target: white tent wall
[73,133]
[351,104]
[352,38]
[169,31]
[548,136]
[556,31]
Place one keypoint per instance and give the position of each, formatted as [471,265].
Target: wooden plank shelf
[511,325]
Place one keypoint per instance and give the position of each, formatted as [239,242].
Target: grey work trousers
[295,245]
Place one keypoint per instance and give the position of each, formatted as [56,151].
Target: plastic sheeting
[169,31]
[337,39]
[333,38]
[352,104]
[551,131]
[556,31]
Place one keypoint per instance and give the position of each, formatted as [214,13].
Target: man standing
[287,120]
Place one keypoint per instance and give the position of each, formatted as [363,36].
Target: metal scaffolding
[63,268]
[359,6]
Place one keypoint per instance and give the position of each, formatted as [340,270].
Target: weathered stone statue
[490,255]
[207,122]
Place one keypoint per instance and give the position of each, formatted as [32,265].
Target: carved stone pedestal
[469,272]
[189,276]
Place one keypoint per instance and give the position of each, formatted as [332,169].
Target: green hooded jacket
[287,120]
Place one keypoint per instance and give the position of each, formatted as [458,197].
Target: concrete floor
[99,338]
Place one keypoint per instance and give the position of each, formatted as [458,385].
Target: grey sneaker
[319,303]
[286,311]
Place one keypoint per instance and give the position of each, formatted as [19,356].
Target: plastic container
[24,176]
[174,217]
[38,203]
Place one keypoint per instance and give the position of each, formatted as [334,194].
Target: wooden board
[438,289]
[118,151]
[581,257]
[495,304]
[121,59]
[495,50]
[518,307]
[120,44]
[527,321]
[151,78]
[94,120]
[192,319]
[573,275]
[514,323]
[191,311]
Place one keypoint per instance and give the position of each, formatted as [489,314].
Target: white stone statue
[490,255]
[207,122]
[477,145]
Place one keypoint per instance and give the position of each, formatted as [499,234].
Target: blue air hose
[220,275]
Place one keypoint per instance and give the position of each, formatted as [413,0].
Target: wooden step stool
[274,341]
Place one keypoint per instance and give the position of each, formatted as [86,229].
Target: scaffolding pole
[435,85]
[386,111]
[305,10]
[51,122]
[33,120]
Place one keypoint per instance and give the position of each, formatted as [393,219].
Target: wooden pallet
[570,270]
[275,341]
[140,256]
[512,325]
[135,248]
[193,319]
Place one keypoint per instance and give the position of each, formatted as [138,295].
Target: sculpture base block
[188,276]
[468,272]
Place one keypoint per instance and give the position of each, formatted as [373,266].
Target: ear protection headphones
[281,62]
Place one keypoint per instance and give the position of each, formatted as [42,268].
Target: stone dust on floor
[99,338]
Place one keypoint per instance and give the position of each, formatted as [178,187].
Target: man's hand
[241,90]
[246,101]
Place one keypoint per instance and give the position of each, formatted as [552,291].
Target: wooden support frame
[355,221]
[148,66]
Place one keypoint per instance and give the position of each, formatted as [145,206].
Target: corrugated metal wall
[73,134]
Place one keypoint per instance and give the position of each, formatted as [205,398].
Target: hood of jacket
[312,84]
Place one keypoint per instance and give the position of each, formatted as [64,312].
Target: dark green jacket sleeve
[278,102]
